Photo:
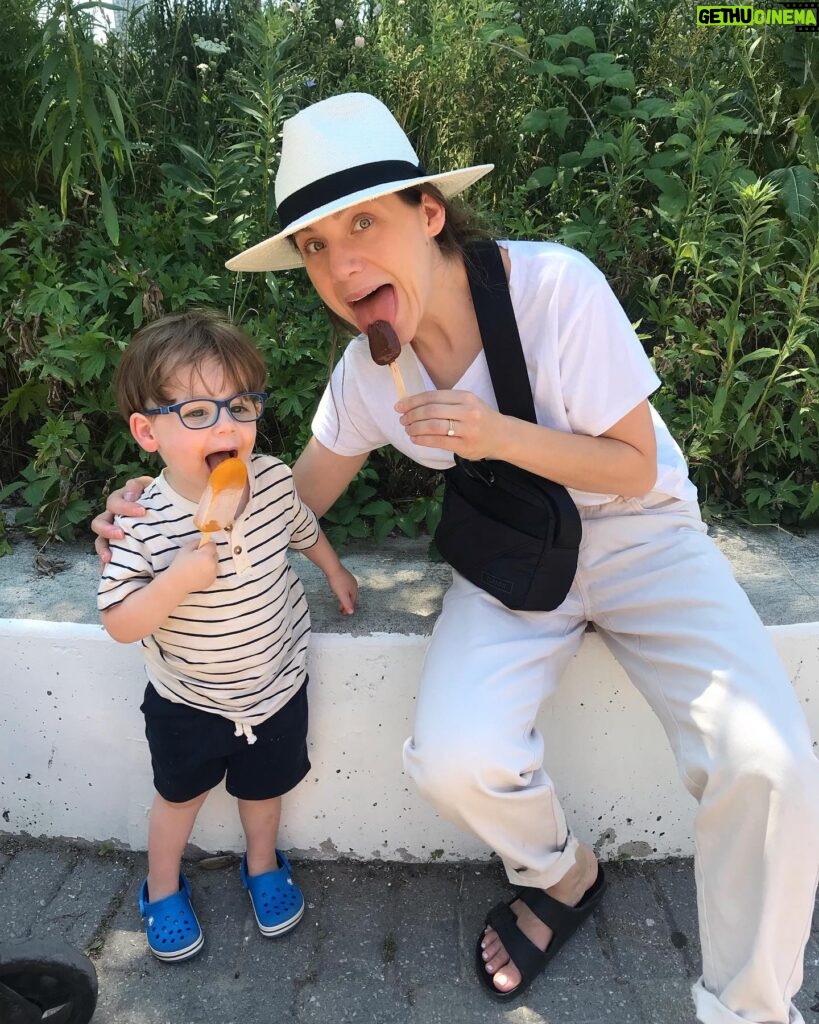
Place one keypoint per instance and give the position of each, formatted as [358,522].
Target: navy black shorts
[193,750]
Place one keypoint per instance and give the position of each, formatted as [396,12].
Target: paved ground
[400,589]
[380,943]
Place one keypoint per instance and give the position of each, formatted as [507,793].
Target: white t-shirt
[586,367]
[239,648]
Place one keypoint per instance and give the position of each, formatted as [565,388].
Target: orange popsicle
[385,348]
[224,491]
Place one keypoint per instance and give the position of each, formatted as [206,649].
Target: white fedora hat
[335,154]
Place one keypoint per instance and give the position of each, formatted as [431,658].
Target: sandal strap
[559,916]
[523,953]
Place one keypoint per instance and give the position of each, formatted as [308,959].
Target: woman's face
[376,261]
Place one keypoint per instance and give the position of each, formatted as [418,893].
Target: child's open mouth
[215,458]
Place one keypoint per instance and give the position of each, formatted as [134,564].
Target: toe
[508,977]
[491,945]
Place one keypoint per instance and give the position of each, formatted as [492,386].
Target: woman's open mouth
[380,304]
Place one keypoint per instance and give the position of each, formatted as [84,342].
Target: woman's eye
[313,246]
[363,223]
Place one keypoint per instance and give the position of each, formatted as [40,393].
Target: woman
[377,238]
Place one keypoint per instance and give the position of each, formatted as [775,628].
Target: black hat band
[344,183]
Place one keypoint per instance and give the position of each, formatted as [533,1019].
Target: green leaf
[92,118]
[40,114]
[377,508]
[57,143]
[9,489]
[571,159]
[113,103]
[359,529]
[408,525]
[543,177]
[598,147]
[72,90]
[566,70]
[810,509]
[667,158]
[760,353]
[797,189]
[652,107]
[583,37]
[196,159]
[556,119]
[26,401]
[109,213]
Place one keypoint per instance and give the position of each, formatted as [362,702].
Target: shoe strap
[523,953]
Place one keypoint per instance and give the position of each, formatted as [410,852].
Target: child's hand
[345,586]
[195,568]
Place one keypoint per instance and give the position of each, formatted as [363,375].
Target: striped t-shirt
[239,648]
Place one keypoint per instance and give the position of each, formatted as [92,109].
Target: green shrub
[688,172]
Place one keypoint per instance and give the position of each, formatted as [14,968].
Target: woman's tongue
[378,305]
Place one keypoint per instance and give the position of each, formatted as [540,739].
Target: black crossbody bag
[510,532]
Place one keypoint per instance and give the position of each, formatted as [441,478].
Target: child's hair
[184,342]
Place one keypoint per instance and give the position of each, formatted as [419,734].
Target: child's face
[190,455]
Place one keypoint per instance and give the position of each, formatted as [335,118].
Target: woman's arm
[121,502]
[321,476]
[623,460]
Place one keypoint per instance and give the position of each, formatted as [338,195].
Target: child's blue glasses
[198,413]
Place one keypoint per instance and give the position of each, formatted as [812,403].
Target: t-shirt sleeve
[129,570]
[344,422]
[301,522]
[604,370]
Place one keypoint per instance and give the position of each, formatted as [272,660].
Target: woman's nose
[343,262]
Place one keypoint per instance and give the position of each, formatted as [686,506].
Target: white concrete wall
[74,761]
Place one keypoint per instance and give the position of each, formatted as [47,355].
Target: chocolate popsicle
[385,348]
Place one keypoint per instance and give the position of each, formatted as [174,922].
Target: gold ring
[451,431]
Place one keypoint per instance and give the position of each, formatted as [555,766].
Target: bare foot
[569,890]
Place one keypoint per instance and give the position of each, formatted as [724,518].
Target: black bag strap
[499,330]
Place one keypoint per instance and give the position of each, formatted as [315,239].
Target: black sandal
[524,954]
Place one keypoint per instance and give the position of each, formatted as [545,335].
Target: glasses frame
[220,403]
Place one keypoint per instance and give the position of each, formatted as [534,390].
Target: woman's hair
[179,345]
[461,225]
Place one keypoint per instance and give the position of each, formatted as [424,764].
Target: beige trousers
[665,602]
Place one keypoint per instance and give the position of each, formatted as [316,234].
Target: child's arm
[342,582]
[143,611]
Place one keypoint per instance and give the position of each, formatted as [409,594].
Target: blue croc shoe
[171,927]
[277,901]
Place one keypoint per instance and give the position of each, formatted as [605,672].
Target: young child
[224,627]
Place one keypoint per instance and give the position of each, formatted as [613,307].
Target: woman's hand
[121,502]
[456,421]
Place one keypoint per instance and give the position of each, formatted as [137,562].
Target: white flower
[210,45]
[339,24]
[359,42]
[377,10]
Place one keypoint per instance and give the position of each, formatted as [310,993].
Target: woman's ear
[434,214]
[142,432]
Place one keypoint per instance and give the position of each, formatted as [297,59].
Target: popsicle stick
[206,539]
[398,380]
